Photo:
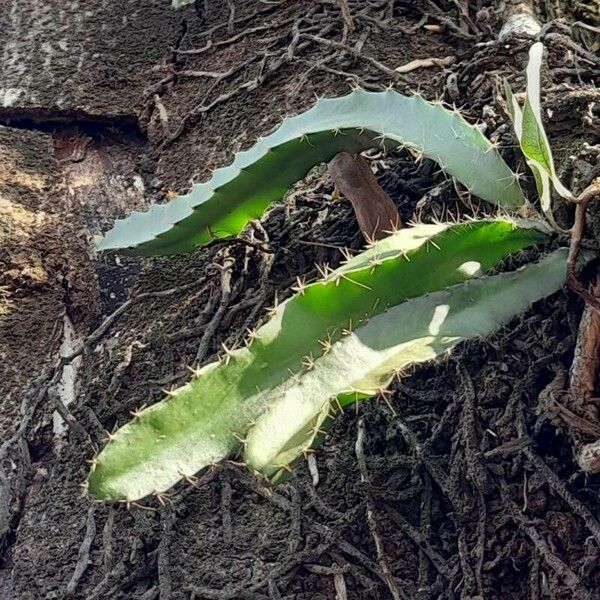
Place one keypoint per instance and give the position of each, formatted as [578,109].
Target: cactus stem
[199,422]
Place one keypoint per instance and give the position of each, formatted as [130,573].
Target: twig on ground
[582,201]
[231,241]
[365,57]
[167,518]
[53,374]
[371,518]
[561,490]
[231,19]
[274,593]
[571,45]
[65,414]
[295,531]
[327,532]
[226,42]
[83,555]
[209,331]
[346,18]
[425,63]
[107,541]
[312,469]
[575,584]
[435,558]
[226,495]
[453,28]
[424,527]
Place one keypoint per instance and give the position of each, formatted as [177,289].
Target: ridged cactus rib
[204,421]
[413,332]
[259,176]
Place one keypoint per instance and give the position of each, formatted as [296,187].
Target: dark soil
[475,488]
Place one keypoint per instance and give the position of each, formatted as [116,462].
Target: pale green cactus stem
[263,174]
[364,362]
[229,402]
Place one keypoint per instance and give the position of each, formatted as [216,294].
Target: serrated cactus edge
[335,340]
[261,175]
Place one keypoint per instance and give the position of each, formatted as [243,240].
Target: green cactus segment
[204,421]
[413,332]
[263,174]
[532,137]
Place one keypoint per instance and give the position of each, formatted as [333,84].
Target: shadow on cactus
[405,300]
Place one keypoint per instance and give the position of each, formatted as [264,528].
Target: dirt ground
[475,489]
